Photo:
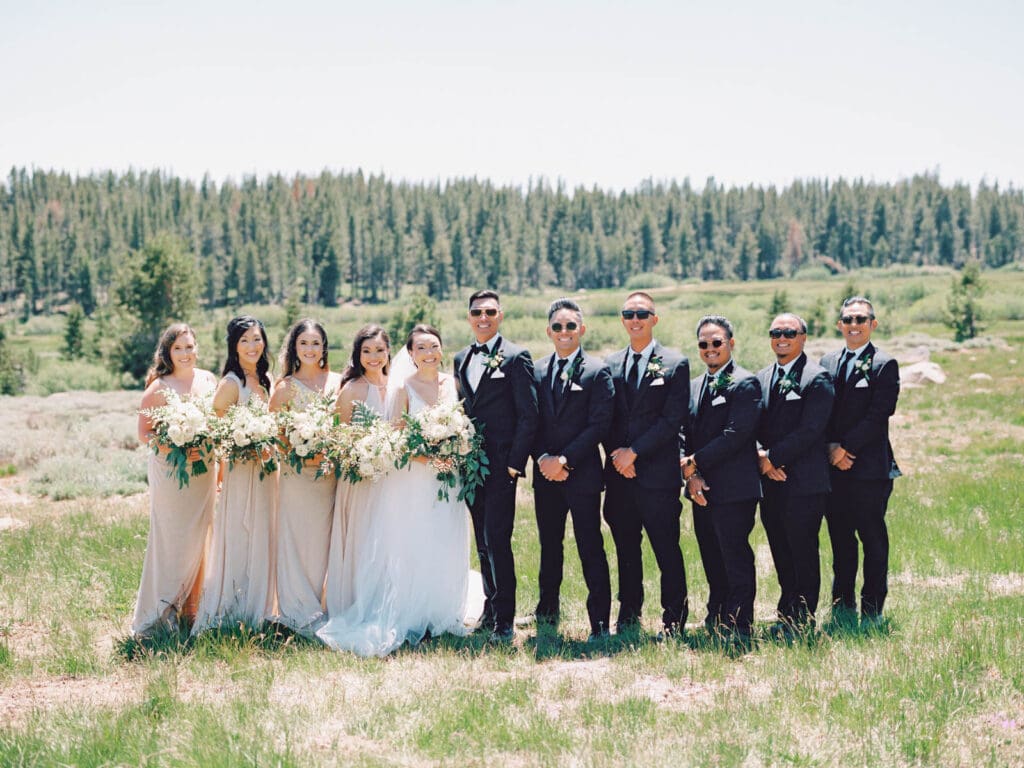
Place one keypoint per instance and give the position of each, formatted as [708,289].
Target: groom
[495,380]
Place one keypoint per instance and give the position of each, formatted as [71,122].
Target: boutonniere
[569,372]
[721,383]
[863,366]
[655,367]
[787,383]
[493,360]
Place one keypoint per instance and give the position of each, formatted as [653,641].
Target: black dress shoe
[627,626]
[670,632]
[502,634]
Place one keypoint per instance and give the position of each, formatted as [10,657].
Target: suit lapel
[544,395]
[467,392]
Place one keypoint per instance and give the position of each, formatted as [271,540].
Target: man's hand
[768,469]
[623,460]
[688,467]
[513,473]
[696,486]
[839,457]
[552,469]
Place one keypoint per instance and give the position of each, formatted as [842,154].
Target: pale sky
[592,93]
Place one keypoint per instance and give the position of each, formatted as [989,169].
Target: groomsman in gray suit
[867,382]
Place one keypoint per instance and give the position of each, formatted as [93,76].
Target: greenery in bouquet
[449,440]
[366,449]
[181,428]
[307,434]
[248,432]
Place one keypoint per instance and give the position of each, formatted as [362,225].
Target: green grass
[941,684]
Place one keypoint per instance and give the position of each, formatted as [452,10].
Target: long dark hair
[236,330]
[162,364]
[289,358]
[355,368]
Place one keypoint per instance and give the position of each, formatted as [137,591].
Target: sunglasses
[570,326]
[789,333]
[716,343]
[490,312]
[855,319]
[643,314]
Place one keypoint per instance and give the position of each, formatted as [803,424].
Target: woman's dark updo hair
[355,368]
[421,328]
[289,358]
[162,365]
[236,330]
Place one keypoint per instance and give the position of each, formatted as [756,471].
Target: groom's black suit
[650,421]
[574,418]
[857,504]
[792,430]
[504,407]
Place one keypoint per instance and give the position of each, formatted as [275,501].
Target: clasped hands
[552,469]
[768,469]
[624,459]
[695,484]
[839,457]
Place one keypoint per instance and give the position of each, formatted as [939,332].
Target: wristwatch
[562,460]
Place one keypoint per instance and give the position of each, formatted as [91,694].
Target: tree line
[339,236]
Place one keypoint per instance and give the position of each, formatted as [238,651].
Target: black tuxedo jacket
[575,424]
[504,406]
[860,415]
[722,437]
[652,421]
[792,427]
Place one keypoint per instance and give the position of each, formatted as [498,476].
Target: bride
[411,568]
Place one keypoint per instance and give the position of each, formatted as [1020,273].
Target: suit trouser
[856,508]
[552,502]
[723,536]
[631,509]
[493,511]
[792,523]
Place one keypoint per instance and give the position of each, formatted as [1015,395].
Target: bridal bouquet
[366,449]
[248,432]
[179,427]
[307,433]
[446,436]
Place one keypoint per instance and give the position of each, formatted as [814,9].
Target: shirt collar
[645,353]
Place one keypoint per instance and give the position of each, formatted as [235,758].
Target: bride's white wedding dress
[410,568]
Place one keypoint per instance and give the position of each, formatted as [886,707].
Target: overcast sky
[591,93]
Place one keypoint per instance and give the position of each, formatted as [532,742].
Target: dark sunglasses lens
[716,343]
[490,312]
[854,319]
[629,314]
[557,327]
[778,333]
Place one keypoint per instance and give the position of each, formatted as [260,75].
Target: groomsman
[796,403]
[722,476]
[495,379]
[867,382]
[576,399]
[642,477]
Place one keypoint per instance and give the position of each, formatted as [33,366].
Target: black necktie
[705,398]
[844,360]
[556,380]
[634,372]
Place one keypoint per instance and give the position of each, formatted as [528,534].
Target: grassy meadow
[942,683]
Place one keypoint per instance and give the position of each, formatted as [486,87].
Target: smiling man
[867,382]
[576,401]
[796,403]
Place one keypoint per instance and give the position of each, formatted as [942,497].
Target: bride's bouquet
[308,433]
[366,449]
[248,432]
[447,437]
[179,428]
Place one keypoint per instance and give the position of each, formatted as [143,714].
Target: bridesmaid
[306,502]
[365,379]
[239,585]
[179,518]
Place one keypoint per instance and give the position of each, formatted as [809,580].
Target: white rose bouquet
[248,432]
[366,449]
[307,433]
[179,428]
[447,437]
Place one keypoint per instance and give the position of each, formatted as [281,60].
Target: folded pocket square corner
[575,387]
[657,382]
[793,395]
[720,400]
[497,375]
[862,384]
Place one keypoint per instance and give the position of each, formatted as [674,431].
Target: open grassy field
[942,684]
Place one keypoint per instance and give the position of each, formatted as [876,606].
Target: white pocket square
[793,395]
[575,387]
[658,382]
[720,400]
[498,374]
[862,384]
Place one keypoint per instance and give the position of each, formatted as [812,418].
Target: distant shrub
[649,280]
[76,476]
[812,272]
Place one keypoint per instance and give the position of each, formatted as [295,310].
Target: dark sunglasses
[490,312]
[570,326]
[643,314]
[789,333]
[856,319]
[716,343]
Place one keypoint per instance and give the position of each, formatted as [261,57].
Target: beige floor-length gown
[304,515]
[240,573]
[179,535]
